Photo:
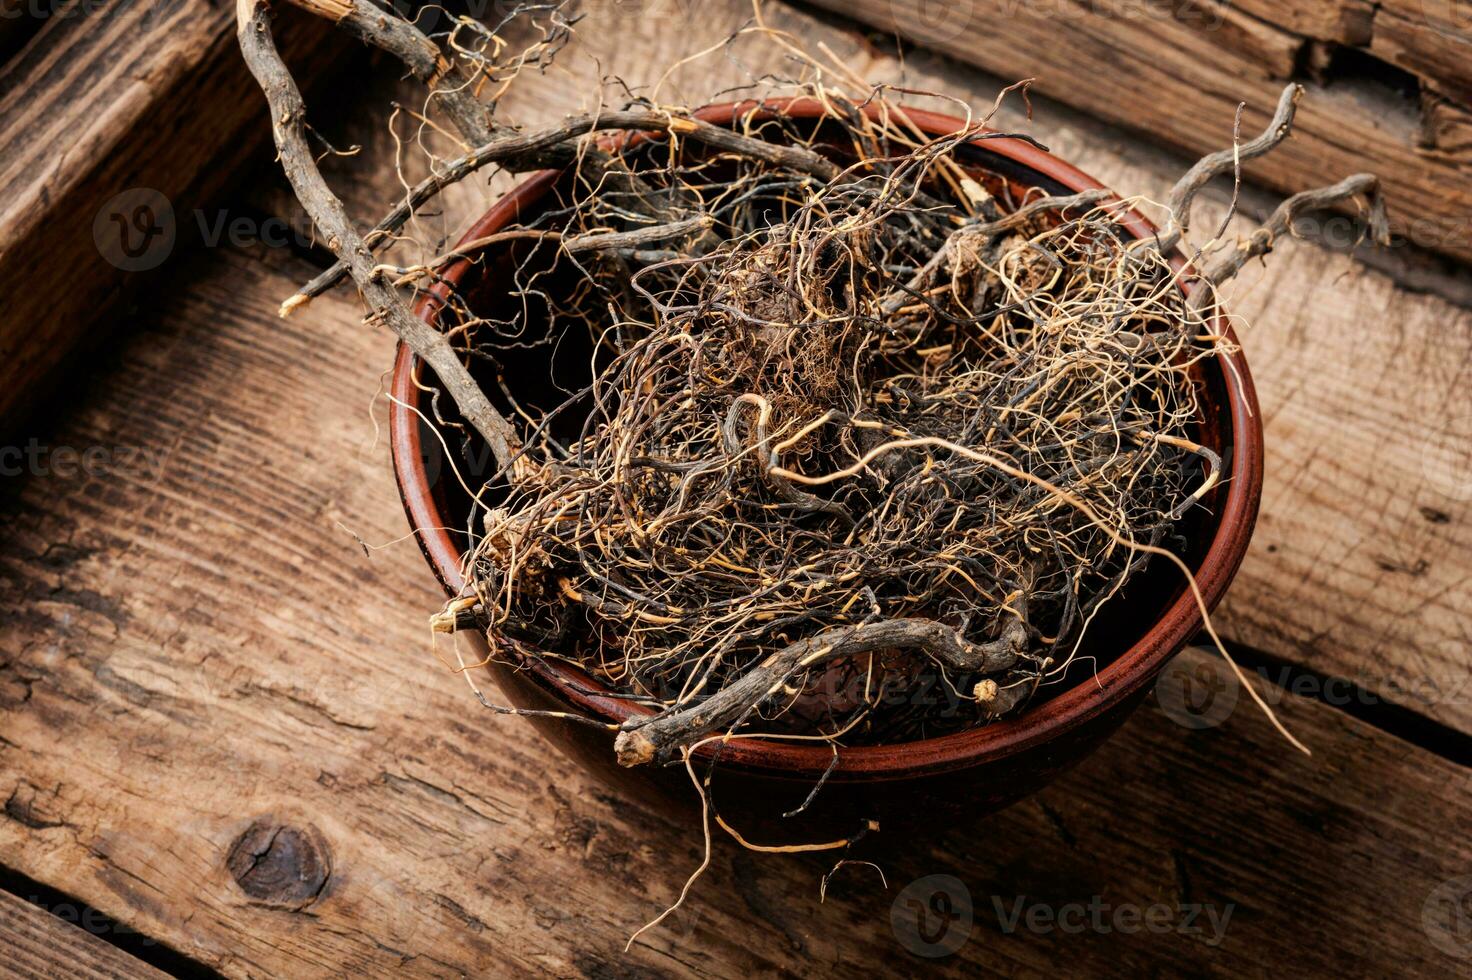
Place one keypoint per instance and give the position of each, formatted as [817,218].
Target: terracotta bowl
[966,773]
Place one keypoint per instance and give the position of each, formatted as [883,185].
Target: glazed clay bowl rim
[1086,701]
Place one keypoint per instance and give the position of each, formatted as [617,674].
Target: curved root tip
[299,299]
[633,748]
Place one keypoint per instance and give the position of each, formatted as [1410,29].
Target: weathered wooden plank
[1444,124]
[1265,42]
[1340,21]
[1429,38]
[184,605]
[222,726]
[36,945]
[1177,74]
[111,120]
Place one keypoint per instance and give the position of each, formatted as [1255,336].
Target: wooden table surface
[227,748]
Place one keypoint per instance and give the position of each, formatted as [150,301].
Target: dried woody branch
[1280,223]
[656,737]
[446,79]
[1260,242]
[453,89]
[385,304]
[516,152]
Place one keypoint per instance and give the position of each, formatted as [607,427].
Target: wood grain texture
[1339,21]
[1432,39]
[36,945]
[221,724]
[1363,558]
[223,727]
[1175,73]
[103,113]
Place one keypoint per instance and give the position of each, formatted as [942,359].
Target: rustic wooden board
[1429,38]
[113,116]
[1361,566]
[37,945]
[222,726]
[1340,21]
[1175,73]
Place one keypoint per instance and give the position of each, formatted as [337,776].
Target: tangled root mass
[834,406]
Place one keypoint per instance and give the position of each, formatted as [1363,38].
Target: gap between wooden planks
[1362,564]
[38,943]
[198,659]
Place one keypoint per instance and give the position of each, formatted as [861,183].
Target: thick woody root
[657,736]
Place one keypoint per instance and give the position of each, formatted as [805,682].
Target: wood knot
[279,864]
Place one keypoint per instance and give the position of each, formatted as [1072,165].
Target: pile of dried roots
[857,416]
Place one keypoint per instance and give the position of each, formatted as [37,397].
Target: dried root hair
[856,416]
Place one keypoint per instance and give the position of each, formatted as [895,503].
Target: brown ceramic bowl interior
[1082,713]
